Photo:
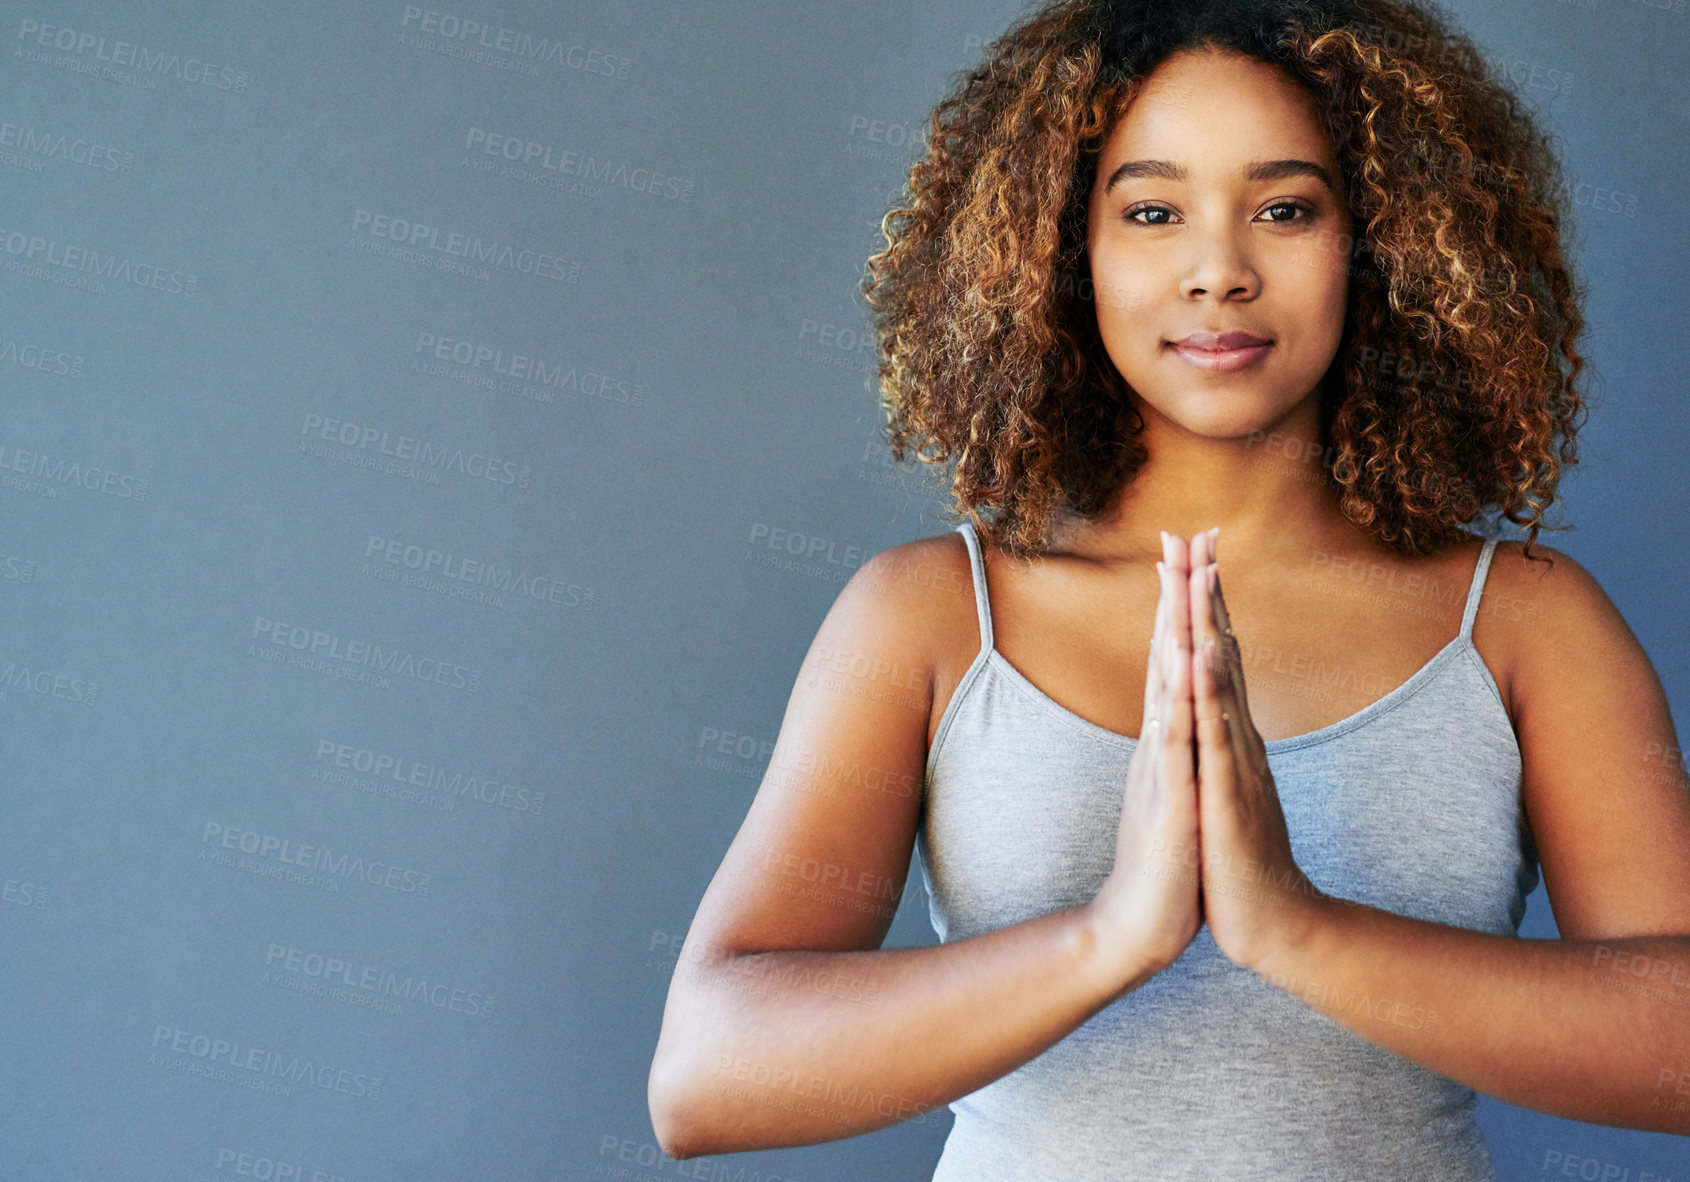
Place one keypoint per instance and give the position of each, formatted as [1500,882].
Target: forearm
[1589,1030]
[786,1048]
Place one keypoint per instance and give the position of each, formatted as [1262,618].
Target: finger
[1217,630]
[1177,553]
[1155,674]
[1215,751]
[1178,767]
[1178,601]
[1152,734]
[1231,660]
[1153,722]
[1213,644]
[1202,549]
[1165,569]
[1205,635]
[1177,759]
[1210,625]
[1217,714]
[1202,603]
[1247,745]
[1199,604]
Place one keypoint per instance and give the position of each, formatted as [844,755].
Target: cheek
[1331,264]
[1321,283]
[1118,307]
[1117,286]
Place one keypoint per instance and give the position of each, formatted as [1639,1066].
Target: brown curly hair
[989,355]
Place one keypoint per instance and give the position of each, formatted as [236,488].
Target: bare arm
[786,1023]
[1591,1030]
[769,1049]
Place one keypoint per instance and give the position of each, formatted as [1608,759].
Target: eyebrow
[1258,170]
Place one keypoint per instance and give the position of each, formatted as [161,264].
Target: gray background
[547,794]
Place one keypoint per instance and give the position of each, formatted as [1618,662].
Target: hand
[1255,898]
[1148,908]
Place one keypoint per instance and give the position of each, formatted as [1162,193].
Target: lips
[1220,342]
[1222,353]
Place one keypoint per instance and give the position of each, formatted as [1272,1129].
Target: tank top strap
[976,561]
[983,607]
[1479,572]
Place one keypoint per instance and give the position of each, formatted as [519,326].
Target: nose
[1219,265]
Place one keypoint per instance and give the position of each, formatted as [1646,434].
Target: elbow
[675,1114]
[685,1105]
[668,1123]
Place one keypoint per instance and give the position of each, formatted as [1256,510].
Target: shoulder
[918,596]
[1552,617]
[913,586]
[918,571]
[911,589]
[1548,570]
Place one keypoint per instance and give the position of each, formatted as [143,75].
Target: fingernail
[1214,542]
[1214,576]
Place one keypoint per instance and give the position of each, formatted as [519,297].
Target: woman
[1292,268]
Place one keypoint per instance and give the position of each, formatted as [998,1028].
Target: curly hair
[989,356]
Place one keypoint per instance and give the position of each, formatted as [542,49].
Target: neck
[1267,491]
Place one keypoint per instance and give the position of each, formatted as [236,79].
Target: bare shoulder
[1549,570]
[900,601]
[912,604]
[1535,606]
[922,572]
[925,589]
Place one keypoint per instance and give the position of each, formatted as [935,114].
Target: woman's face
[1210,215]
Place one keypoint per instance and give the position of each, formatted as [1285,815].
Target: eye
[1304,206]
[1145,207]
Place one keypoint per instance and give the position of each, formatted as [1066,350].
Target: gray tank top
[1411,804]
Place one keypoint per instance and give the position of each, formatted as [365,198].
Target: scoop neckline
[1331,730]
